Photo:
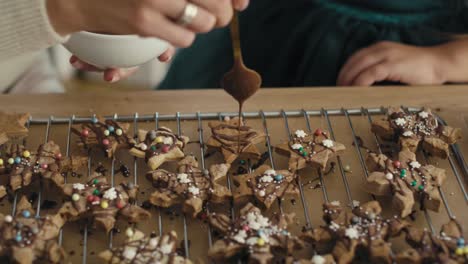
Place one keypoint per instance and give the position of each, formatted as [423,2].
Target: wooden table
[450,102]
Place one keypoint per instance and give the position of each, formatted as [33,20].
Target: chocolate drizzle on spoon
[240,82]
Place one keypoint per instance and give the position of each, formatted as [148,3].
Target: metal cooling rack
[455,159]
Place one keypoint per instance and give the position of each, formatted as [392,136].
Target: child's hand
[115,75]
[388,61]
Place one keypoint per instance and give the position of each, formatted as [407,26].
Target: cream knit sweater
[25,31]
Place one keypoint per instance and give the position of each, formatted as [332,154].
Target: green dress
[305,42]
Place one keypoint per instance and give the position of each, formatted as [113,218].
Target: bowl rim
[99,35]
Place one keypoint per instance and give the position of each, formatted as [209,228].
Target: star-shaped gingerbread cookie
[313,150]
[159,146]
[405,180]
[412,130]
[141,249]
[12,126]
[47,164]
[362,229]
[447,247]
[106,134]
[191,186]
[233,140]
[101,203]
[253,237]
[29,239]
[265,185]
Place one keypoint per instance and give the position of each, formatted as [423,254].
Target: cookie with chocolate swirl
[413,130]
[310,150]
[141,249]
[105,134]
[190,186]
[101,203]
[234,139]
[159,146]
[29,239]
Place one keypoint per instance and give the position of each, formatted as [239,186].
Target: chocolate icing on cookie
[28,239]
[313,150]
[233,139]
[191,186]
[363,228]
[102,203]
[405,180]
[253,237]
[159,146]
[415,129]
[141,249]
[109,135]
[46,164]
[265,185]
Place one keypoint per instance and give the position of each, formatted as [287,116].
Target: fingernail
[164,58]
[73,59]
[114,79]
[77,64]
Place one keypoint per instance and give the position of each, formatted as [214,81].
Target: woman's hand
[388,61]
[148,18]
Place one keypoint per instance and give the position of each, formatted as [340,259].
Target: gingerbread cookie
[448,247]
[190,187]
[413,130]
[253,237]
[101,203]
[27,239]
[233,140]
[265,185]
[363,228]
[106,134]
[12,126]
[313,150]
[405,180]
[159,146]
[46,165]
[141,249]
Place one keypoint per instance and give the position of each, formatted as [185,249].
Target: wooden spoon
[240,82]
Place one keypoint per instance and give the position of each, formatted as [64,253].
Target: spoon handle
[235,37]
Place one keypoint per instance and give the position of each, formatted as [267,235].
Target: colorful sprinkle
[75,197]
[106,132]
[279,177]
[44,166]
[347,168]
[94,120]
[421,187]
[466,250]
[461,242]
[120,204]
[402,173]
[8,218]
[1,162]
[26,213]
[396,164]
[119,132]
[389,176]
[413,183]
[242,162]
[11,161]
[261,242]
[18,238]
[104,204]
[165,149]
[159,139]
[318,132]
[26,154]
[105,142]
[153,148]
[58,156]
[90,198]
[246,228]
[459,251]
[85,132]
[95,181]
[111,129]
[17,160]
[96,192]
[305,153]
[129,232]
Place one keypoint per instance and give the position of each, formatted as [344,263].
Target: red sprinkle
[166,148]
[105,141]
[318,132]
[120,204]
[58,155]
[96,199]
[397,164]
[85,132]
[246,228]
[90,198]
[44,166]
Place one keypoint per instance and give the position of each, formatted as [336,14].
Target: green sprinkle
[95,181]
[305,153]
[413,183]
[242,162]
[403,173]
[96,192]
[301,149]
[153,148]
[421,187]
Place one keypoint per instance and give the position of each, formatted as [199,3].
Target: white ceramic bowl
[114,51]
